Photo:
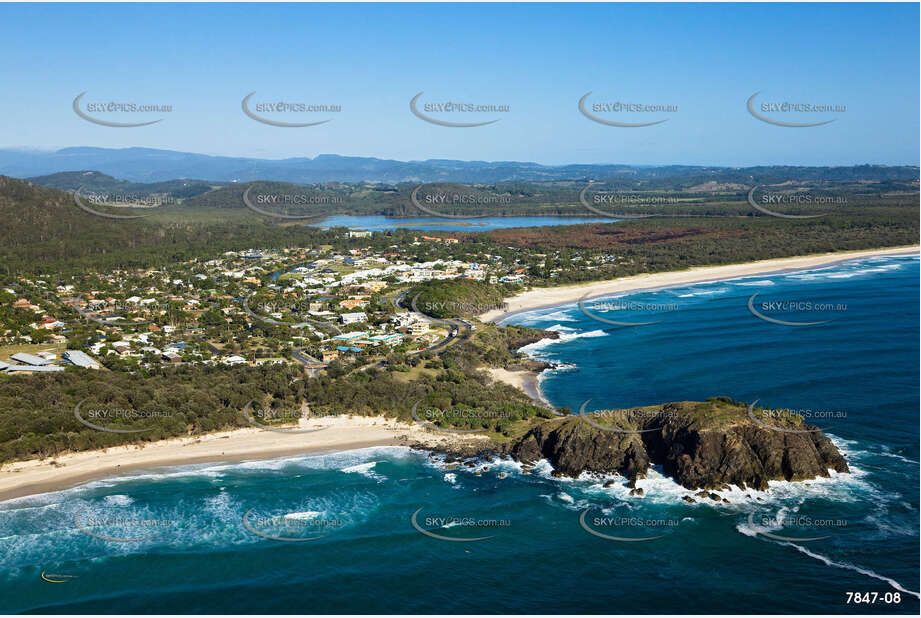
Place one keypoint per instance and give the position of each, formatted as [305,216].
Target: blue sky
[538,59]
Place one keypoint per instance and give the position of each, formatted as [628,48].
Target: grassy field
[33,348]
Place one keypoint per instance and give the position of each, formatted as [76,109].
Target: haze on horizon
[538,60]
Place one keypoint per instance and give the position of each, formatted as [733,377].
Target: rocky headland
[701,445]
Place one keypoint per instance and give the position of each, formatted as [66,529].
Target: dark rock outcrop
[573,446]
[702,445]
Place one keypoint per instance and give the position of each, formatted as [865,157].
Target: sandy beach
[344,433]
[549,297]
[525,381]
[34,476]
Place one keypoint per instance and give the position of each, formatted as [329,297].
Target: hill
[152,165]
[97,182]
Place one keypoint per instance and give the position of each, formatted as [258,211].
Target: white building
[80,359]
[29,359]
[354,318]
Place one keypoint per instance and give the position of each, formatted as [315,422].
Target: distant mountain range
[148,165]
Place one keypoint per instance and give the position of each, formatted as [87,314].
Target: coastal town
[309,305]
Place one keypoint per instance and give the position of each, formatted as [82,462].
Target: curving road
[455,325]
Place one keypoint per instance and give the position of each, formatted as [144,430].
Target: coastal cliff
[702,445]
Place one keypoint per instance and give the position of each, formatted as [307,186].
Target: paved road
[455,327]
[311,364]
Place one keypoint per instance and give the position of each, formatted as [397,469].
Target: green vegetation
[47,237]
[37,412]
[454,298]
[45,232]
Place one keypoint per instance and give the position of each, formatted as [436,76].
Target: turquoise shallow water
[200,534]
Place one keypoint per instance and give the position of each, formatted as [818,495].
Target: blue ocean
[393,530]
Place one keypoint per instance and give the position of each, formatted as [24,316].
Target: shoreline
[529,381]
[33,476]
[526,381]
[546,298]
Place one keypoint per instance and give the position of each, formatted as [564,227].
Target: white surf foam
[366,470]
[852,567]
[565,337]
[696,293]
[303,515]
